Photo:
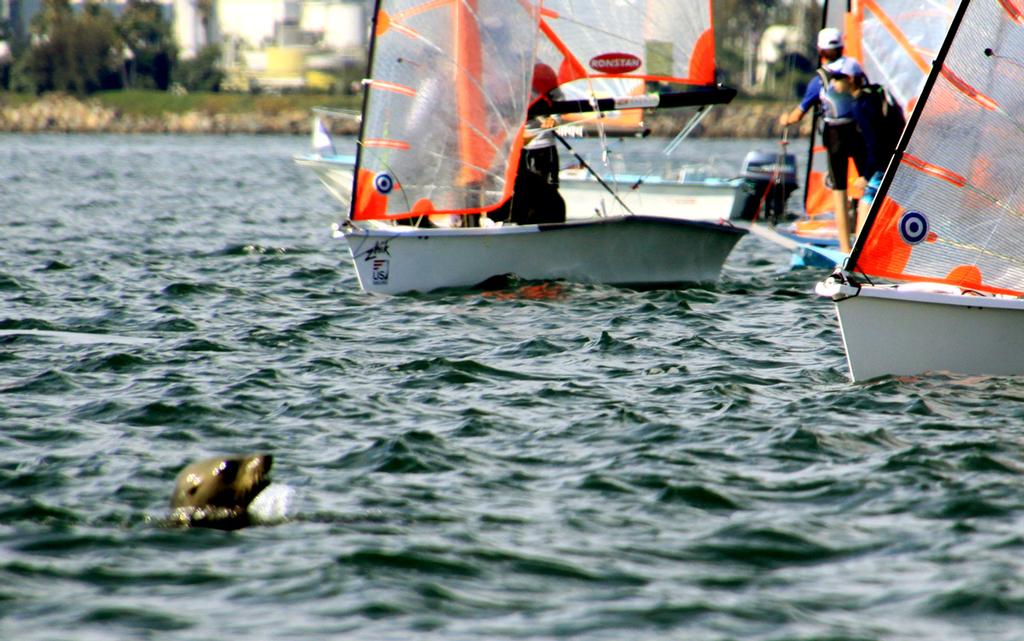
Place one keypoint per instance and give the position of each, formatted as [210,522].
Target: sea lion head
[216,492]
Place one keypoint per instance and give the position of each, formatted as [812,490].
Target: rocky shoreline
[64,114]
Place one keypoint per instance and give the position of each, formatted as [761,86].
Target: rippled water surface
[552,461]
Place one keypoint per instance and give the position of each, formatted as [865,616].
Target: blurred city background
[765,48]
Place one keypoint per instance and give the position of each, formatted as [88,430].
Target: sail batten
[952,209]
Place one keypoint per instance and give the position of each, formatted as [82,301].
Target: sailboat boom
[710,96]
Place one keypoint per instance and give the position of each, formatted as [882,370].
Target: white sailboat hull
[641,251]
[907,331]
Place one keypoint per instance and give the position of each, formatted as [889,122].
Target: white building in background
[274,43]
[343,25]
[777,41]
[188,28]
[255,24]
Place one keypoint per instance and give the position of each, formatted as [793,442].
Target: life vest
[836,106]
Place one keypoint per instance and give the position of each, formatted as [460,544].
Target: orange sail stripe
[898,36]
[392,86]
[404,30]
[383,143]
[941,173]
[969,91]
[468,81]
[854,40]
[423,8]
[1017,13]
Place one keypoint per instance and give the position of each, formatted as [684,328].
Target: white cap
[829,38]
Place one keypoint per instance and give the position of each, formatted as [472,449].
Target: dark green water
[592,463]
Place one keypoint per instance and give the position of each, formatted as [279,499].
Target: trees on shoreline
[88,50]
[81,52]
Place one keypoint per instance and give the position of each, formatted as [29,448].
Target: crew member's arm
[809,100]
[792,117]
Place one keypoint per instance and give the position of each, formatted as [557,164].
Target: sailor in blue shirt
[830,50]
[839,127]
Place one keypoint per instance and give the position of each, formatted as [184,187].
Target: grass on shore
[154,103]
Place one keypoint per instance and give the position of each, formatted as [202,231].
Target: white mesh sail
[954,210]
[445,106]
[898,41]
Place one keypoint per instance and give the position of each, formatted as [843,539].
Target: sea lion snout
[216,492]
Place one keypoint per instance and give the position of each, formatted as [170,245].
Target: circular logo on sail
[913,227]
[615,63]
[384,183]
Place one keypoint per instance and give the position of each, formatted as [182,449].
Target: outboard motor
[765,182]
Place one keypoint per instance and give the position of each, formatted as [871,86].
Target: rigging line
[674,144]
[685,131]
[1013,61]
[592,172]
[572,19]
[890,26]
[984,251]
[602,138]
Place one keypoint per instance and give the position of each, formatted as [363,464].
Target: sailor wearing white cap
[830,50]
[829,39]
[830,54]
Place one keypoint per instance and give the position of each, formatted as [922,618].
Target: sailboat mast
[696,98]
[901,146]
